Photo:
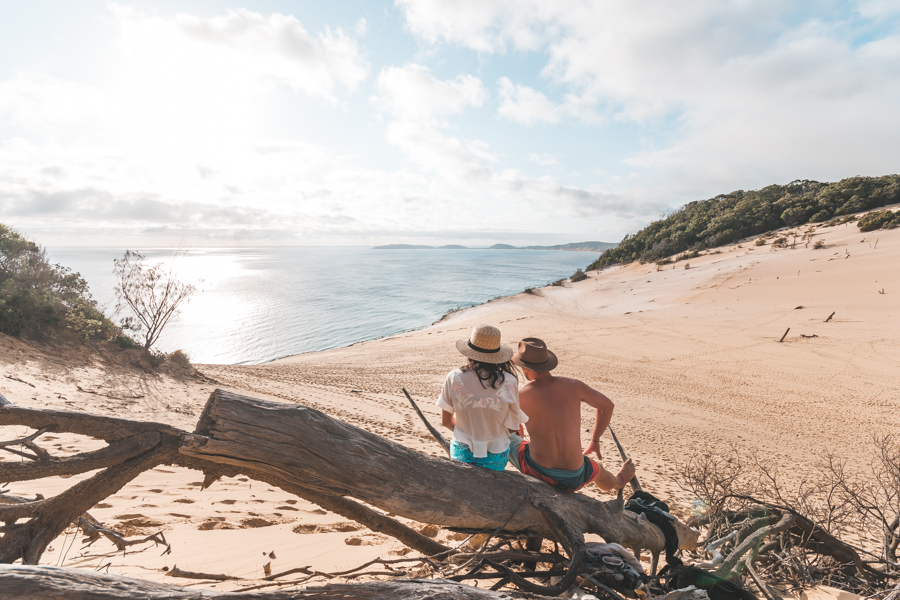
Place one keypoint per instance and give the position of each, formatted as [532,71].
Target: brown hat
[484,346]
[534,356]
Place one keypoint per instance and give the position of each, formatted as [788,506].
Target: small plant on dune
[458,308]
[819,245]
[761,242]
[687,265]
[152,294]
[577,276]
[781,242]
[180,358]
[558,282]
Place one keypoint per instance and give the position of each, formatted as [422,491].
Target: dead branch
[176,572]
[434,432]
[30,582]
[93,530]
[113,454]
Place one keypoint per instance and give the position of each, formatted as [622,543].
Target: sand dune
[690,357]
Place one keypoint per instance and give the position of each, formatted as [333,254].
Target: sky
[214,123]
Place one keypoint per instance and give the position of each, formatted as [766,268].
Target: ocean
[262,303]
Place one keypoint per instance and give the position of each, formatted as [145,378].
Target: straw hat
[484,346]
[532,354]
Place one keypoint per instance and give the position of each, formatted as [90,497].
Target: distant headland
[573,247]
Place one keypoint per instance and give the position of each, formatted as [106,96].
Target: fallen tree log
[53,583]
[305,447]
[318,458]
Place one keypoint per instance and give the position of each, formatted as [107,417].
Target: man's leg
[607,481]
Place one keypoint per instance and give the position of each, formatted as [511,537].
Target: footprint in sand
[209,525]
[256,522]
[304,529]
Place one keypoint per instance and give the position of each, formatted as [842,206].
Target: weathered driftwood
[127,438]
[308,448]
[49,518]
[320,459]
[52,583]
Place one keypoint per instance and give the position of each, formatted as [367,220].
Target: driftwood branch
[434,432]
[113,454]
[370,474]
[52,583]
[752,541]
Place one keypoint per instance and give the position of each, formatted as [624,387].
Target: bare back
[553,405]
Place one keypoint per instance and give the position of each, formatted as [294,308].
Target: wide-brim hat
[532,354]
[484,346]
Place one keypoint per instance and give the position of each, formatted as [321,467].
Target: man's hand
[595,448]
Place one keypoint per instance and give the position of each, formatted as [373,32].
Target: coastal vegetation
[153,294]
[728,218]
[40,299]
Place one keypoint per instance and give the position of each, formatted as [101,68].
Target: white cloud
[419,106]
[747,93]
[525,105]
[275,46]
[412,93]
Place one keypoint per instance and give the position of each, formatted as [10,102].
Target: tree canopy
[731,217]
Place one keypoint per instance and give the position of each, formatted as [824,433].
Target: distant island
[573,247]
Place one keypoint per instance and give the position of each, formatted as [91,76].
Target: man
[553,405]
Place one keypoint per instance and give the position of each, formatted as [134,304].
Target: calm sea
[259,304]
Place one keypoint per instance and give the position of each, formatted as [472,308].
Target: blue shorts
[520,457]
[462,453]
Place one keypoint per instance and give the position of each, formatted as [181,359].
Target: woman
[480,401]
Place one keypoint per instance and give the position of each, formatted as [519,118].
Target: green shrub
[558,282]
[180,358]
[876,220]
[39,298]
[577,276]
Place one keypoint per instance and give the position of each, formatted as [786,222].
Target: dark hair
[491,372]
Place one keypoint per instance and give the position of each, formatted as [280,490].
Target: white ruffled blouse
[483,414]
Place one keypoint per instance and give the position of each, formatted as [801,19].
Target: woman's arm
[448,420]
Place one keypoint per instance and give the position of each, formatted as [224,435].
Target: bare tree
[152,293]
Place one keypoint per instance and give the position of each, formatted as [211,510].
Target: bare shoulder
[570,383]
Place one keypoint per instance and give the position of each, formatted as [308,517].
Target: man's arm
[604,407]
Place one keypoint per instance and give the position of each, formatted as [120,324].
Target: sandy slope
[690,356]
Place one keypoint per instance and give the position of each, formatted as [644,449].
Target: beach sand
[691,358]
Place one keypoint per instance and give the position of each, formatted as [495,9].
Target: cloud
[46,104]
[418,106]
[726,93]
[412,93]
[242,42]
[525,105]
